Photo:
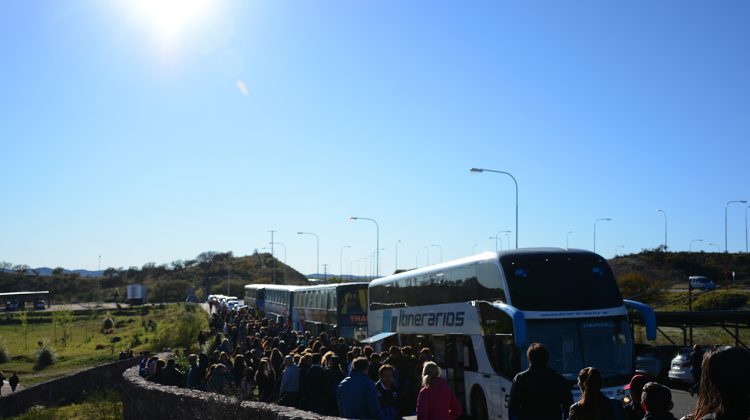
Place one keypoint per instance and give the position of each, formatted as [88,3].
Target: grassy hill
[205,274]
[674,268]
[660,279]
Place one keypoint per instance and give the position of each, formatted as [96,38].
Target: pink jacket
[437,402]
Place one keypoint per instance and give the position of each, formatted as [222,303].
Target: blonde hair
[430,371]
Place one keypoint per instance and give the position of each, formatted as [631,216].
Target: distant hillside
[208,273]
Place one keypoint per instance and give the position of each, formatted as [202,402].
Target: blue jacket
[358,398]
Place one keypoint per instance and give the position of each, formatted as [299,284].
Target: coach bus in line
[339,309]
[274,299]
[479,314]
[255,296]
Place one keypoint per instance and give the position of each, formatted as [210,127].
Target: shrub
[4,355]
[45,356]
[632,284]
[108,324]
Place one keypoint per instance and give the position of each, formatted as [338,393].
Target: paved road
[683,402]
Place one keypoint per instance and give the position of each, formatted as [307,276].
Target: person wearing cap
[633,409]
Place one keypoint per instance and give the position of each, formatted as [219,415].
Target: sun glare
[168,22]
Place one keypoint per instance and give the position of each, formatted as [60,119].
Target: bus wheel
[479,405]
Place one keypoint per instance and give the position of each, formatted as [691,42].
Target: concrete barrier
[65,390]
[147,400]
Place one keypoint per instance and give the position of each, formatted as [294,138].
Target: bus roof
[484,256]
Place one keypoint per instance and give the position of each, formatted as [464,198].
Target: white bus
[479,314]
[276,301]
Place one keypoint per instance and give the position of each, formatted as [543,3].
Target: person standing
[387,393]
[265,379]
[289,389]
[435,400]
[593,405]
[357,396]
[539,393]
[633,409]
[696,360]
[316,388]
[725,388]
[657,402]
[13,381]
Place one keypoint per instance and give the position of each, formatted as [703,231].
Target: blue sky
[124,134]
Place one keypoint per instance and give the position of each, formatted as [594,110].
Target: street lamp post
[618,247]
[691,243]
[273,258]
[377,242]
[441,251]
[480,170]
[665,227]
[747,207]
[317,250]
[341,261]
[726,243]
[495,238]
[285,265]
[716,245]
[567,239]
[603,219]
[397,242]
[427,252]
[726,247]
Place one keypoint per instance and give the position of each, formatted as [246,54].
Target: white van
[701,282]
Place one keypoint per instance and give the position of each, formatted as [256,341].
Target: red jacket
[437,402]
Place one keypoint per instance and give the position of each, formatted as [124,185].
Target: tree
[58,271]
[21,269]
[206,257]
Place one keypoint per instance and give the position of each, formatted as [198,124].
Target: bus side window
[503,354]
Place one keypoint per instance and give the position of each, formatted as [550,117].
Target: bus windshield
[603,343]
[564,281]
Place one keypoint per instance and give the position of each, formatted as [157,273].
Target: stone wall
[146,400]
[65,390]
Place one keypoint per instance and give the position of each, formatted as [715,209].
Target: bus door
[454,354]
[454,366]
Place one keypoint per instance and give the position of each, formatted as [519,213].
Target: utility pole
[325,273]
[273,272]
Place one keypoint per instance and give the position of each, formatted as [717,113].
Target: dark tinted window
[480,281]
[352,299]
[560,282]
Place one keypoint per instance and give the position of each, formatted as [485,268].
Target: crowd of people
[540,393]
[258,359]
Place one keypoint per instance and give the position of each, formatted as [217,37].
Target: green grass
[714,300]
[104,406]
[88,346]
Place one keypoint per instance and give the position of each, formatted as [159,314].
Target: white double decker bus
[479,314]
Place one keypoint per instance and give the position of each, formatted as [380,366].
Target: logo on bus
[431,319]
[358,319]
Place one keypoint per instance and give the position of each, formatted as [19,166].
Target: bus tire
[479,405]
